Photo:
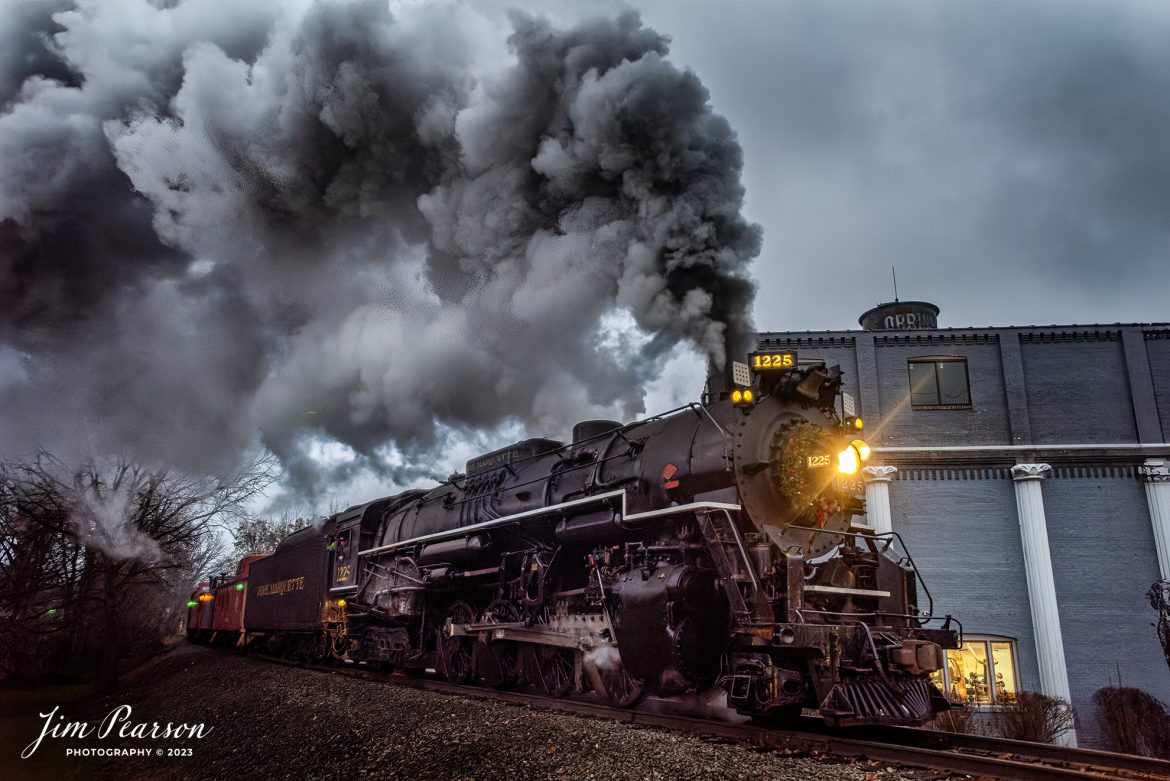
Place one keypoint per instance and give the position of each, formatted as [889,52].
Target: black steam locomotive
[715,546]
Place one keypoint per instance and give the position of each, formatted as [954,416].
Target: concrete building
[1028,471]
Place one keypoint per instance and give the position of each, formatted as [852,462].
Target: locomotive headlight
[848,461]
[736,396]
[862,449]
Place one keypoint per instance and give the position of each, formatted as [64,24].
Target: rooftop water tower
[901,316]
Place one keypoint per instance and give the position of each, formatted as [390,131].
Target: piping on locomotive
[715,546]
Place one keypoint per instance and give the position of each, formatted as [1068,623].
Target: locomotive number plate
[847,484]
[776,361]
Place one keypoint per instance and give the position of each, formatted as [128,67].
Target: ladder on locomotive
[723,537]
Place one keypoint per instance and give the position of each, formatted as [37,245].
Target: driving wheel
[454,652]
[499,660]
[619,687]
[555,670]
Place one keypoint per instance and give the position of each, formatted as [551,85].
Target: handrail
[871,535]
[727,455]
[460,531]
[747,562]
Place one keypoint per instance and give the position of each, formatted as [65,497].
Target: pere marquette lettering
[477,464]
[279,587]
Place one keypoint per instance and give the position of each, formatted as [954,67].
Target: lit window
[342,560]
[981,672]
[939,382]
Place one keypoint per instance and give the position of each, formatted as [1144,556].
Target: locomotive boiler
[721,545]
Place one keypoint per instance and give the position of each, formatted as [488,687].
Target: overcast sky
[322,228]
[1011,158]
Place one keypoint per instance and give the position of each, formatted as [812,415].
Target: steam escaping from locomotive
[236,223]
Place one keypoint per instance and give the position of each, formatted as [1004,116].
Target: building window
[939,382]
[981,672]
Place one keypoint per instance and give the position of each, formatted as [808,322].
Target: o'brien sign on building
[901,316]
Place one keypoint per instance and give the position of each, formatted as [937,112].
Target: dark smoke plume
[226,225]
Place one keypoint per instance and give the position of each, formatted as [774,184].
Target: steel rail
[1146,766]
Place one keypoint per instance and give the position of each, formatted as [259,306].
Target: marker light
[848,461]
[862,449]
[743,397]
[341,603]
[192,603]
[239,587]
[853,423]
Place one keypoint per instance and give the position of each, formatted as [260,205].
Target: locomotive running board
[608,497]
[857,592]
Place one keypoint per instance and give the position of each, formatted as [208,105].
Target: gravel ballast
[270,721]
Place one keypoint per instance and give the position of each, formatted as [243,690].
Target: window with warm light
[981,672]
[939,382]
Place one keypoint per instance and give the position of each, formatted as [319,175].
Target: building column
[1155,473]
[1041,585]
[877,497]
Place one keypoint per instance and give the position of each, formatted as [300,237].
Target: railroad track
[1090,763]
[1011,760]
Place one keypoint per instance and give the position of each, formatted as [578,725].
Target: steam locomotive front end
[838,623]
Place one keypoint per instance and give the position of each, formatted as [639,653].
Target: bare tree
[1159,595]
[262,534]
[42,573]
[1035,717]
[88,552]
[1133,721]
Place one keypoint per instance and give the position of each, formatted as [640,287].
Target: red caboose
[200,613]
[230,596]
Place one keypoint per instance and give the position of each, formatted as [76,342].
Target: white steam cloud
[103,515]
